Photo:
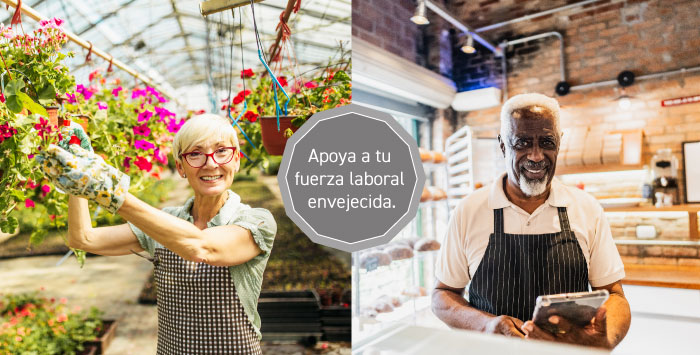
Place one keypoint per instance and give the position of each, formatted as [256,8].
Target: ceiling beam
[106,16]
[186,37]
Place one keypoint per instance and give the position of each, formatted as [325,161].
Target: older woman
[209,254]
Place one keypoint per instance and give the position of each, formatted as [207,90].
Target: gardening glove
[74,130]
[85,174]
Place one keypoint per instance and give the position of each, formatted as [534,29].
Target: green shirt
[247,277]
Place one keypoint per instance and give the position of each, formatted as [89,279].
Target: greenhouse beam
[213,6]
[36,16]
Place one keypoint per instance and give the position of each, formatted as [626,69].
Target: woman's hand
[74,130]
[85,174]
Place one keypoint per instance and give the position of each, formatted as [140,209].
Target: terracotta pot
[82,120]
[53,115]
[104,337]
[273,140]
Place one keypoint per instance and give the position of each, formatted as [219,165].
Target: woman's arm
[113,240]
[219,246]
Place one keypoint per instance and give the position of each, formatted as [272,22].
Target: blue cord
[277,85]
[235,122]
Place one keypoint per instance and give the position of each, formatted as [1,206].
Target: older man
[529,235]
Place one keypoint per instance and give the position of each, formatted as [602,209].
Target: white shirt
[471,225]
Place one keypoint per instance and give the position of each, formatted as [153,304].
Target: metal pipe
[214,6]
[643,77]
[535,15]
[461,26]
[562,64]
[504,69]
[36,16]
[504,63]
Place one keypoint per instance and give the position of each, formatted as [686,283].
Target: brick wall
[386,24]
[601,40]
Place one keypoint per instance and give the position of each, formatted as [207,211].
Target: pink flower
[61,318]
[94,74]
[115,91]
[311,84]
[138,93]
[160,156]
[63,300]
[174,126]
[143,144]
[101,105]
[57,21]
[145,116]
[87,92]
[126,162]
[2,98]
[164,112]
[143,164]
[142,130]
[45,189]
[28,203]
[71,98]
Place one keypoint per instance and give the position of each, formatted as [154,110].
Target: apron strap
[498,221]
[564,219]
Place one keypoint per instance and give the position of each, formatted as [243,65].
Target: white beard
[532,188]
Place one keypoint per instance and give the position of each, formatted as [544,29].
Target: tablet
[578,308]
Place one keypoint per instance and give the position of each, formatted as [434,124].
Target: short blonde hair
[201,128]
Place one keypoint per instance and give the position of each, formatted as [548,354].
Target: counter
[671,276]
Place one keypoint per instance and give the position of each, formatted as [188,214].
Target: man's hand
[593,334]
[505,325]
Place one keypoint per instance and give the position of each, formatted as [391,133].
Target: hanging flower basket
[272,139]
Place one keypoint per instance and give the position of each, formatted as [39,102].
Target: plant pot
[82,120]
[104,337]
[273,140]
[53,115]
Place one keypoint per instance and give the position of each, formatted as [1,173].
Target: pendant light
[468,45]
[419,17]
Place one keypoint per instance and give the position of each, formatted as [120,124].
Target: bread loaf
[427,245]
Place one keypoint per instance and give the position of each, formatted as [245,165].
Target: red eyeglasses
[220,156]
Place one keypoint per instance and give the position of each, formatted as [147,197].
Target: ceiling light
[468,45]
[419,15]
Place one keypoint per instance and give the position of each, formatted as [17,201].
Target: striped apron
[516,268]
[198,309]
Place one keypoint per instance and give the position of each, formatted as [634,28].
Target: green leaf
[14,103]
[48,92]
[31,105]
[14,86]
[37,236]
[12,224]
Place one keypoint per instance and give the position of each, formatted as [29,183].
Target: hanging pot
[273,140]
[52,111]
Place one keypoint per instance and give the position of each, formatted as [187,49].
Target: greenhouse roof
[171,43]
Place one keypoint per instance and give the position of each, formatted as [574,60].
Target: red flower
[2,98]
[251,116]
[237,100]
[283,80]
[311,85]
[247,73]
[143,164]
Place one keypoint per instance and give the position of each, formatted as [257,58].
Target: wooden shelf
[692,210]
[565,170]
[675,208]
[687,277]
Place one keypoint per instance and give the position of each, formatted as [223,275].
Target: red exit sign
[681,101]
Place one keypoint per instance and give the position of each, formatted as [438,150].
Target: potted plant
[33,71]
[30,324]
[330,88]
